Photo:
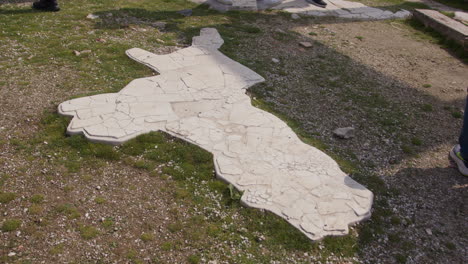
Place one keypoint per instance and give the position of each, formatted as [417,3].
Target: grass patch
[427,108]
[146,237]
[7,197]
[416,141]
[100,200]
[69,210]
[88,232]
[11,225]
[194,259]
[37,198]
[457,114]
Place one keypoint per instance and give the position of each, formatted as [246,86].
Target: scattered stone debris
[295,16]
[344,132]
[462,17]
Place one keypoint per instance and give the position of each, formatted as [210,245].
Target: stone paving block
[443,24]
[205,104]
[338,8]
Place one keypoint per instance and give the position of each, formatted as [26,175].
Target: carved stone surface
[335,8]
[340,8]
[200,97]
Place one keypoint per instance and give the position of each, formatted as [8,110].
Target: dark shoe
[319,3]
[46,5]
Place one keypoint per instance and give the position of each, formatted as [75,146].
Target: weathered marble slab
[340,8]
[200,97]
[335,8]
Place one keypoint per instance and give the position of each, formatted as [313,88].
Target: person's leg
[459,152]
[319,3]
[463,139]
[46,5]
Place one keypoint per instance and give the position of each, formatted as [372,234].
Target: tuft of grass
[69,210]
[146,237]
[175,227]
[166,246]
[107,223]
[426,85]
[450,245]
[416,141]
[57,249]
[11,225]
[100,200]
[88,232]
[401,259]
[456,114]
[407,149]
[194,259]
[427,108]
[37,198]
[36,209]
[7,197]
[361,38]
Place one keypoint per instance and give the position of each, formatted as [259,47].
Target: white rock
[12,254]
[275,60]
[92,16]
[461,16]
[305,44]
[429,231]
[344,132]
[295,16]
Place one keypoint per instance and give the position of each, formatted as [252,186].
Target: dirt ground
[402,93]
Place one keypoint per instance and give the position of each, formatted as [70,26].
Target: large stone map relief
[200,97]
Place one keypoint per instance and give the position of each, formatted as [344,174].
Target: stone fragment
[305,44]
[92,16]
[344,132]
[275,60]
[443,24]
[461,16]
[295,16]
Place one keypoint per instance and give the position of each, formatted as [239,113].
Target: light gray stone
[461,16]
[344,132]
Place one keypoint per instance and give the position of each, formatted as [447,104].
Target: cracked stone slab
[340,8]
[334,8]
[200,97]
